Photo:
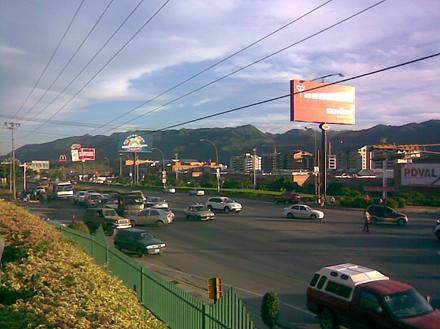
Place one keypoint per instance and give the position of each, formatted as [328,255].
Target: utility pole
[254,158]
[12,126]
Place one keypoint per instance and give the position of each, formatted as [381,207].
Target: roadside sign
[215,288]
[62,159]
[332,161]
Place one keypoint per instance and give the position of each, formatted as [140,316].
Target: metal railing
[177,308]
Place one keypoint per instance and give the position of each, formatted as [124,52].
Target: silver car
[302,211]
[153,216]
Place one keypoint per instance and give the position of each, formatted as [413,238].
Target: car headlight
[162,245]
[152,246]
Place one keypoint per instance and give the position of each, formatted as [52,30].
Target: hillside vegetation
[48,282]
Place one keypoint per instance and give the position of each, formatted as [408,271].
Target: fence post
[204,315]
[142,286]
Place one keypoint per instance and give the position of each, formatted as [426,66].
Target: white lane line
[299,309]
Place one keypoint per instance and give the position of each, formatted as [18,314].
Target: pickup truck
[355,296]
[288,198]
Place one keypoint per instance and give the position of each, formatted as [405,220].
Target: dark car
[383,214]
[139,241]
[288,198]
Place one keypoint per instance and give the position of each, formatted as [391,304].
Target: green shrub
[79,226]
[270,309]
[50,283]
[391,202]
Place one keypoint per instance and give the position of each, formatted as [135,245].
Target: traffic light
[332,162]
[164,177]
[215,288]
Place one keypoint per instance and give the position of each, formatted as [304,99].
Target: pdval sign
[421,174]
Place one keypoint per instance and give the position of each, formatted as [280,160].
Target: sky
[106,87]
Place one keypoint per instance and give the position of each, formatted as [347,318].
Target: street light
[216,157]
[254,165]
[163,166]
[328,75]
[120,163]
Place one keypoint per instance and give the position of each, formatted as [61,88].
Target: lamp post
[254,165]
[164,177]
[216,157]
[120,163]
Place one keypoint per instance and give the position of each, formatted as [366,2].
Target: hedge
[48,282]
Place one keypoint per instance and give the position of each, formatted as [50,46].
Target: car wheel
[313,216]
[227,209]
[374,221]
[159,223]
[401,222]
[139,252]
[290,215]
[133,223]
[327,320]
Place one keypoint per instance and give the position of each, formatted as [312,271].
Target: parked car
[302,211]
[197,192]
[288,198]
[108,218]
[154,216]
[437,229]
[92,199]
[223,203]
[354,296]
[139,241]
[198,211]
[108,201]
[383,214]
[156,202]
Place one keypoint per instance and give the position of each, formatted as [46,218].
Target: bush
[270,309]
[79,226]
[391,202]
[48,282]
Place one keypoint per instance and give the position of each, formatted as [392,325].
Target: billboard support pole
[324,127]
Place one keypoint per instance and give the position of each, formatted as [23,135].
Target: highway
[258,251]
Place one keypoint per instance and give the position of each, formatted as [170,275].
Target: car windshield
[147,236]
[154,199]
[229,200]
[407,304]
[198,208]
[65,187]
[109,213]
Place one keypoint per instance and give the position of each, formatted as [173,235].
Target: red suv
[359,297]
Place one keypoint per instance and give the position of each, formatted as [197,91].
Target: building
[245,164]
[271,163]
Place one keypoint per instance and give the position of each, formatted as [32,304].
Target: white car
[223,203]
[154,216]
[197,192]
[156,202]
[302,211]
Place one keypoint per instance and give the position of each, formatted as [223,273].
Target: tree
[270,309]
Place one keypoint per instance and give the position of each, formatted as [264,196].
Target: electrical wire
[310,89]
[108,62]
[92,58]
[51,57]
[253,63]
[217,63]
[72,57]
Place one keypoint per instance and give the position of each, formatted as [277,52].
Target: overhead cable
[252,63]
[51,57]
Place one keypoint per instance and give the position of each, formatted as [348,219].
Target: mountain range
[236,141]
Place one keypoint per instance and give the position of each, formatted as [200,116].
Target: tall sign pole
[12,126]
[324,127]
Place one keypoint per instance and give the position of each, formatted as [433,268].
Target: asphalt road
[258,251]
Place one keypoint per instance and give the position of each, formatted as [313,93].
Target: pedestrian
[367,219]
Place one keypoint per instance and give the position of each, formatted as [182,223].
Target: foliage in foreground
[48,282]
[270,309]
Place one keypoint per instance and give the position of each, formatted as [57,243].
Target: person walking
[367,219]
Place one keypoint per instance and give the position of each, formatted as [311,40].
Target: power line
[288,95]
[310,89]
[254,62]
[217,63]
[92,59]
[108,62]
[72,57]
[51,57]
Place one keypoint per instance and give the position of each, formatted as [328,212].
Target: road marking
[299,309]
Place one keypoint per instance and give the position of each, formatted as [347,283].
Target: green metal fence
[174,306]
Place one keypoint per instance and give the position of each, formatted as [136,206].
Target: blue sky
[189,35]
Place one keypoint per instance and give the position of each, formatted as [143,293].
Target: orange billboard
[312,102]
